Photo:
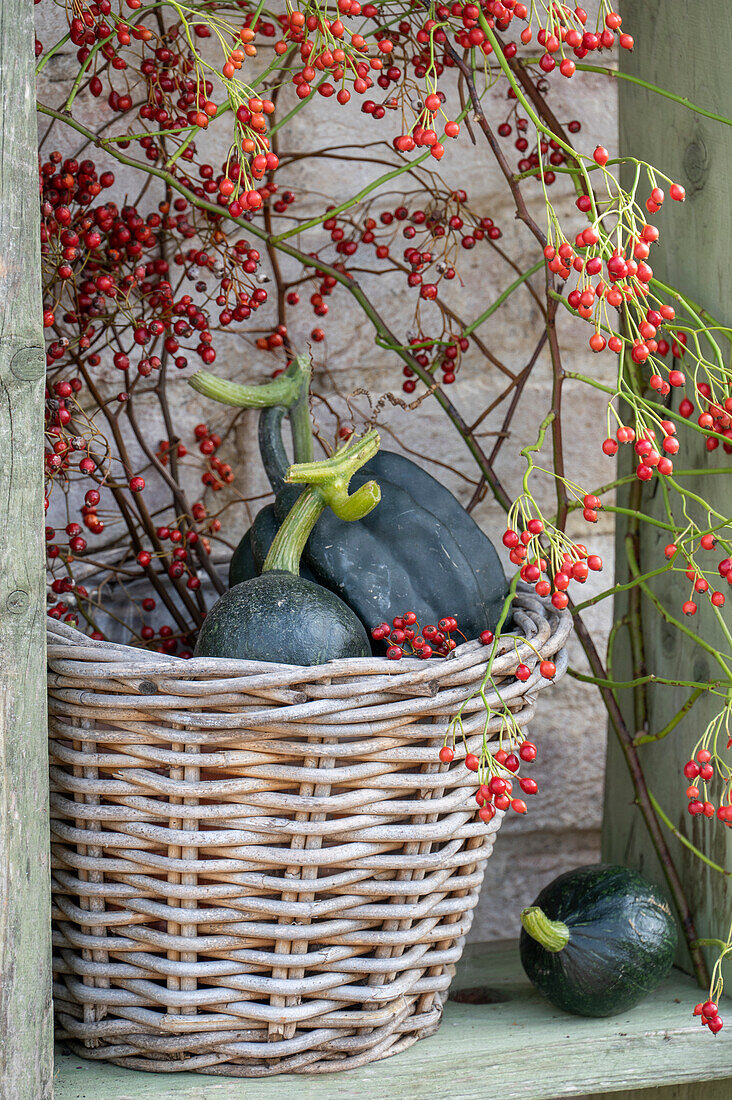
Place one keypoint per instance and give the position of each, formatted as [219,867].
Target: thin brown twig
[642,799]
[522,212]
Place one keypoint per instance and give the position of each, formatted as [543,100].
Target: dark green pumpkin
[281,618]
[620,938]
[418,551]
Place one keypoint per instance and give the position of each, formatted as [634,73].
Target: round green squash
[597,940]
[284,619]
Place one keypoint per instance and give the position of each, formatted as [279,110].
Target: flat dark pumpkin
[401,557]
[419,551]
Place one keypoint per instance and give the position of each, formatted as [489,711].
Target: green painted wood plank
[702,1090]
[693,254]
[25,1003]
[517,1046]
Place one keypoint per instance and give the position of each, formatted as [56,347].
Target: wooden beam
[700,1090]
[502,1039]
[693,255]
[25,1000]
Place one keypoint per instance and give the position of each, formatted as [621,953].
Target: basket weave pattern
[261,868]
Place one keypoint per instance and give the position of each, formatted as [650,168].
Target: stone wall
[562,828]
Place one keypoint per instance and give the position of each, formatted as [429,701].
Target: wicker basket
[260,868]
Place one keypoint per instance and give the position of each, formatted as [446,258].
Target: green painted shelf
[512,1044]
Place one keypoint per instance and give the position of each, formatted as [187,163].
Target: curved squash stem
[291,391]
[553,935]
[286,390]
[300,425]
[289,542]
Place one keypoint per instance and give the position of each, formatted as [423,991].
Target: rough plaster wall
[562,828]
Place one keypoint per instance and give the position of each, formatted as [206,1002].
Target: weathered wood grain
[701,1090]
[693,254]
[517,1047]
[25,1008]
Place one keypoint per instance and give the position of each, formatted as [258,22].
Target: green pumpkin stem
[280,391]
[327,487]
[300,425]
[553,935]
[289,391]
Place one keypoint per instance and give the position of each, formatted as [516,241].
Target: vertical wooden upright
[686,49]
[25,998]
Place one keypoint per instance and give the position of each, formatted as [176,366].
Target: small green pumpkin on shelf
[597,940]
[279,616]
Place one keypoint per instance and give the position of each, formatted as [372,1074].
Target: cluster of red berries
[526,551]
[549,155]
[423,133]
[234,266]
[702,769]
[700,584]
[181,541]
[331,54]
[165,640]
[328,49]
[219,473]
[547,670]
[447,358]
[710,1017]
[565,30]
[325,286]
[236,186]
[62,586]
[440,229]
[425,265]
[62,447]
[649,457]
[404,637]
[177,95]
[496,790]
[715,417]
[95,257]
[621,277]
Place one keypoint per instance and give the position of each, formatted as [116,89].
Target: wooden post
[686,50]
[25,999]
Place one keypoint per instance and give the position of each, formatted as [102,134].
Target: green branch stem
[667,616]
[697,693]
[685,841]
[51,52]
[656,89]
[503,297]
[649,678]
[618,74]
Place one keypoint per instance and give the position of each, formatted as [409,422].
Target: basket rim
[63,638]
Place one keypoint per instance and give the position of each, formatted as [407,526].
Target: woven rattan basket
[259,868]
